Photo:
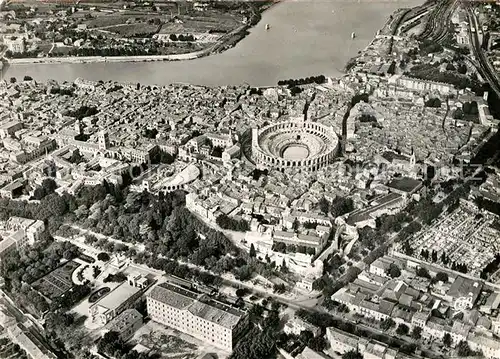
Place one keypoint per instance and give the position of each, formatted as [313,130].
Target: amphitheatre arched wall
[270,142]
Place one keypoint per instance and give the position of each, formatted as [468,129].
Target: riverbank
[229,41]
[97,59]
[294,47]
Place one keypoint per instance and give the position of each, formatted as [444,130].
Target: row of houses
[342,342]
[412,301]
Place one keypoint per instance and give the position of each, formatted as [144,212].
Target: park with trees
[431,72]
[433,102]
[233,224]
[263,337]
[172,235]
[303,81]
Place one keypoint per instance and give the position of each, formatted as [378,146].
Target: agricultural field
[103,21]
[106,20]
[134,30]
[139,29]
[215,22]
[56,282]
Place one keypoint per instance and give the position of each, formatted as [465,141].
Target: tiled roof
[207,309]
[214,315]
[124,320]
[117,296]
[173,296]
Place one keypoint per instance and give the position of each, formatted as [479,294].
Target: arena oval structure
[294,144]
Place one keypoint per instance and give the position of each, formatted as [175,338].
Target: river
[306,38]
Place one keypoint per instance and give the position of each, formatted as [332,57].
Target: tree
[279,247]
[423,272]
[243,273]
[318,343]
[110,343]
[284,268]
[416,333]
[324,205]
[341,206]
[441,277]
[447,340]
[117,278]
[458,114]
[409,348]
[279,288]
[394,271]
[392,68]
[103,257]
[387,324]
[433,102]
[71,253]
[305,336]
[466,107]
[253,252]
[256,311]
[226,222]
[91,239]
[463,349]
[241,292]
[76,157]
[402,329]
[49,186]
[352,354]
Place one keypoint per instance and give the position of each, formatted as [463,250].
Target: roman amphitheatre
[299,144]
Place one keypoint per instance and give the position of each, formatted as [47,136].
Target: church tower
[413,159]
[78,127]
[103,140]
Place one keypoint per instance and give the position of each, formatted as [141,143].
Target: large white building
[15,44]
[297,325]
[114,303]
[20,233]
[195,315]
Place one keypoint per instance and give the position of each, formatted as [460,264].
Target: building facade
[195,315]
[126,324]
[114,303]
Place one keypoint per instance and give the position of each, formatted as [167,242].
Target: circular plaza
[294,144]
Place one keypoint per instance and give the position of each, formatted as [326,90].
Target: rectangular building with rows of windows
[196,315]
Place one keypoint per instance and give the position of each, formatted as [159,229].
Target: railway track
[486,69]
[437,26]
